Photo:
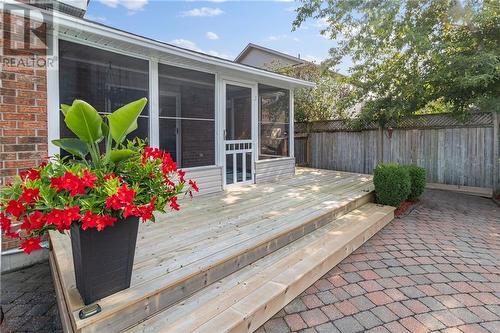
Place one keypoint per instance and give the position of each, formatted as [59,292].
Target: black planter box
[103,259]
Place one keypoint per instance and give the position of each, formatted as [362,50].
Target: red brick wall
[23,102]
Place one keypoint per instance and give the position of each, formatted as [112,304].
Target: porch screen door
[238,135]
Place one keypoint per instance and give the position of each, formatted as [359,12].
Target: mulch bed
[405,208]
[496,199]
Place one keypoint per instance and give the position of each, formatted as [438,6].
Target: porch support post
[292,125]
[53,112]
[154,104]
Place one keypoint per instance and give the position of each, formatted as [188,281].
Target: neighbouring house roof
[77,29]
[278,55]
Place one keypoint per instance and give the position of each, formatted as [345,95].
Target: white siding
[209,179]
[274,169]
[259,59]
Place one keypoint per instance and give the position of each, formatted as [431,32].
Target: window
[274,122]
[104,79]
[187,115]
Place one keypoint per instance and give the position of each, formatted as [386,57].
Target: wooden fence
[457,155]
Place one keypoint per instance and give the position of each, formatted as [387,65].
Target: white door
[239,106]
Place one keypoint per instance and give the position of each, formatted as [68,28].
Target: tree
[409,53]
[318,103]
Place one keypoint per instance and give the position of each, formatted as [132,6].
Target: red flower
[173,204]
[71,214]
[30,195]
[31,174]
[168,164]
[125,194]
[15,208]
[123,198]
[34,221]
[69,182]
[55,217]
[193,185]
[147,211]
[111,176]
[105,221]
[130,210]
[31,244]
[88,179]
[62,218]
[5,223]
[89,220]
[150,152]
[181,174]
[113,202]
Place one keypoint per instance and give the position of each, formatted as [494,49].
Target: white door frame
[254,140]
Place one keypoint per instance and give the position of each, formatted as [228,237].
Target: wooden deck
[212,237]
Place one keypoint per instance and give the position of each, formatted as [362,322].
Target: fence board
[453,153]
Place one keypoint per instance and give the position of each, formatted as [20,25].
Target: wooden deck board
[244,300]
[210,230]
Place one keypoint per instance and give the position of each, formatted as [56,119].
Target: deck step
[246,299]
[214,261]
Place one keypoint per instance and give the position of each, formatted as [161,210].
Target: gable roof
[91,32]
[252,46]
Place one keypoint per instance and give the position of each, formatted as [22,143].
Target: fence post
[496,153]
[380,145]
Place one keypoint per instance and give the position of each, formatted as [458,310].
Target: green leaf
[124,120]
[65,108]
[83,120]
[105,129]
[118,155]
[73,146]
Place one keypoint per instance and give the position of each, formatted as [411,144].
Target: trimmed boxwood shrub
[392,184]
[418,181]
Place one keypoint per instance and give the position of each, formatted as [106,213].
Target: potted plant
[98,196]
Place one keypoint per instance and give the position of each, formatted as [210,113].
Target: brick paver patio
[437,269]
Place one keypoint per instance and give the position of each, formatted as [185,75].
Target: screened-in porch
[217,125]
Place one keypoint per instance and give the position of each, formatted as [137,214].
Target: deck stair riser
[186,260]
[245,300]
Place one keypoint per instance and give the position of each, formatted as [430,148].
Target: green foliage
[408,53]
[392,184]
[91,128]
[318,103]
[418,181]
[124,120]
[73,146]
[84,121]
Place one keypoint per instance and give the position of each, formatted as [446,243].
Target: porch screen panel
[104,79]
[187,115]
[274,122]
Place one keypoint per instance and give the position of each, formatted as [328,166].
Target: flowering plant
[129,179]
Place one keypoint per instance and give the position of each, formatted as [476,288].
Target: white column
[53,105]
[291,135]
[154,107]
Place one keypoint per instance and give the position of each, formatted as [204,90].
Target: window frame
[291,130]
[216,106]
[53,96]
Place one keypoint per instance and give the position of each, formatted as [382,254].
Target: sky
[217,27]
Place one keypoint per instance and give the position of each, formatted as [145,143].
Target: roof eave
[63,20]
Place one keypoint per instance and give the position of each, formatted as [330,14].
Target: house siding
[261,59]
[274,169]
[23,104]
